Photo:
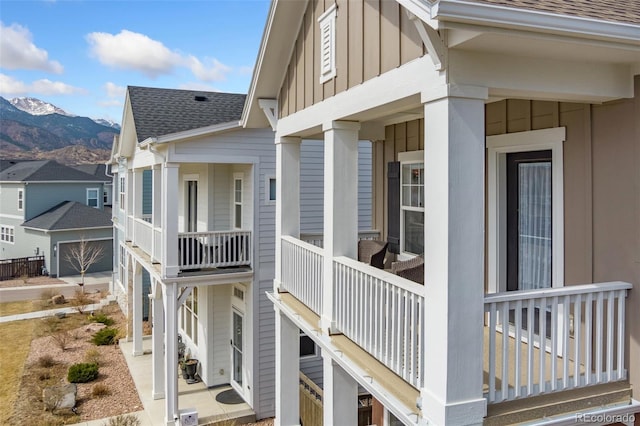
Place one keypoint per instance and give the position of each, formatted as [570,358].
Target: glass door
[237,334]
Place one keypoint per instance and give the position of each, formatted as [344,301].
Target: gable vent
[327,22]
[200,98]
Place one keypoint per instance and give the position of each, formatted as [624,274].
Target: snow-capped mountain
[35,106]
[108,123]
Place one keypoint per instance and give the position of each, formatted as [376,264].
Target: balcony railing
[554,339]
[317,238]
[214,249]
[302,274]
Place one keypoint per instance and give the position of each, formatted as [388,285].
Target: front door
[237,345]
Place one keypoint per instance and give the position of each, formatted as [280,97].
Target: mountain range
[31,128]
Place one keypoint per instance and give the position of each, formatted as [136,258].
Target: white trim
[6,236]
[97,197]
[408,157]
[21,199]
[188,134]
[12,216]
[270,109]
[267,190]
[327,52]
[234,203]
[497,147]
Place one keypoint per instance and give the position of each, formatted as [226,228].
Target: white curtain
[534,217]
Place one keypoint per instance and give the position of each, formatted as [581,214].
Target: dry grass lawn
[13,354]
[23,307]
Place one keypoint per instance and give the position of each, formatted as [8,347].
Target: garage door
[104,264]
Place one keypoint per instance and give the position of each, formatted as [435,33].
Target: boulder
[59,397]
[58,299]
[61,315]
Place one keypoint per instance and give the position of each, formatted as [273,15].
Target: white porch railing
[302,274]
[143,234]
[383,314]
[554,339]
[214,249]
[317,238]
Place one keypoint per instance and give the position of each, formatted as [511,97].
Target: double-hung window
[411,202]
[20,199]
[92,197]
[190,316]
[122,192]
[237,201]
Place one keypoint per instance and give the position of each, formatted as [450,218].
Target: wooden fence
[21,267]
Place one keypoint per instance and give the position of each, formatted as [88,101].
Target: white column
[137,310]
[156,207]
[340,395]
[137,193]
[287,196]
[454,246]
[157,341]
[170,189]
[340,204]
[171,352]
[287,371]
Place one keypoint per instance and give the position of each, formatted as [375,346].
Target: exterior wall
[221,184]
[9,199]
[372,37]
[40,197]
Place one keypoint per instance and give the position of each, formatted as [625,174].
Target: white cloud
[9,86]
[114,91]
[110,103]
[17,51]
[194,85]
[134,51]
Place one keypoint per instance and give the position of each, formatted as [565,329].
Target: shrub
[99,390]
[80,301]
[102,319]
[46,361]
[123,420]
[62,339]
[82,373]
[92,356]
[106,336]
[44,375]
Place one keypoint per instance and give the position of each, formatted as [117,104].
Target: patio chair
[372,252]
[412,269]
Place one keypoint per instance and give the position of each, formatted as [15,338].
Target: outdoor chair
[372,252]
[412,269]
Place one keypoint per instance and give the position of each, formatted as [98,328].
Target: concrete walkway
[51,312]
[92,282]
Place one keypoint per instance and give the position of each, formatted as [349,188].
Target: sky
[80,55]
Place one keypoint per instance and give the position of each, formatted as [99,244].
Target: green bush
[106,336]
[101,318]
[82,373]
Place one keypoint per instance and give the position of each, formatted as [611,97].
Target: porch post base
[158,395]
[470,412]
[138,353]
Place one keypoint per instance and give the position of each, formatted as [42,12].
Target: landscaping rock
[58,299]
[61,315]
[59,397]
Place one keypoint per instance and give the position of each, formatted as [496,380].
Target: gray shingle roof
[70,215]
[97,170]
[44,170]
[623,11]
[159,112]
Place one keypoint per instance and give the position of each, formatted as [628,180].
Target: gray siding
[40,197]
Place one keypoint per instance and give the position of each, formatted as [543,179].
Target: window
[237,201]
[122,263]
[92,197]
[307,346]
[412,202]
[525,210]
[327,22]
[271,190]
[105,197]
[189,317]
[7,234]
[20,199]
[122,192]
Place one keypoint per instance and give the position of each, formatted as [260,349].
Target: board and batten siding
[372,37]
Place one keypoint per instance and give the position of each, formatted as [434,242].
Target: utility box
[188,417]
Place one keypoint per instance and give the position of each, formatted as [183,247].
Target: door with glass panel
[529,225]
[237,345]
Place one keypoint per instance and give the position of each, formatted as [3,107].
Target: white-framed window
[20,199]
[189,317]
[7,234]
[122,263]
[270,190]
[327,22]
[237,200]
[105,197]
[411,202]
[92,197]
[308,348]
[525,209]
[122,192]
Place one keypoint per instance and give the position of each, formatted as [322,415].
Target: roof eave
[189,134]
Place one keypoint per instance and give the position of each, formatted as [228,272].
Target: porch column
[137,310]
[287,371]
[157,341]
[287,196]
[453,253]
[129,210]
[171,352]
[170,219]
[340,204]
[137,193]
[156,206]
[340,395]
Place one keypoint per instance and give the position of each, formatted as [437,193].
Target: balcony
[535,342]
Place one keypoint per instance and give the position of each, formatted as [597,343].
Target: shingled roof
[159,112]
[70,215]
[622,11]
[44,170]
[97,170]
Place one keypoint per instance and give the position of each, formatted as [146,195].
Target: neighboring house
[101,171]
[506,152]
[47,208]
[194,214]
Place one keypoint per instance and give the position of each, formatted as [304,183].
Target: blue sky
[81,54]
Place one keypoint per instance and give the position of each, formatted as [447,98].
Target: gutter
[47,231]
[533,20]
